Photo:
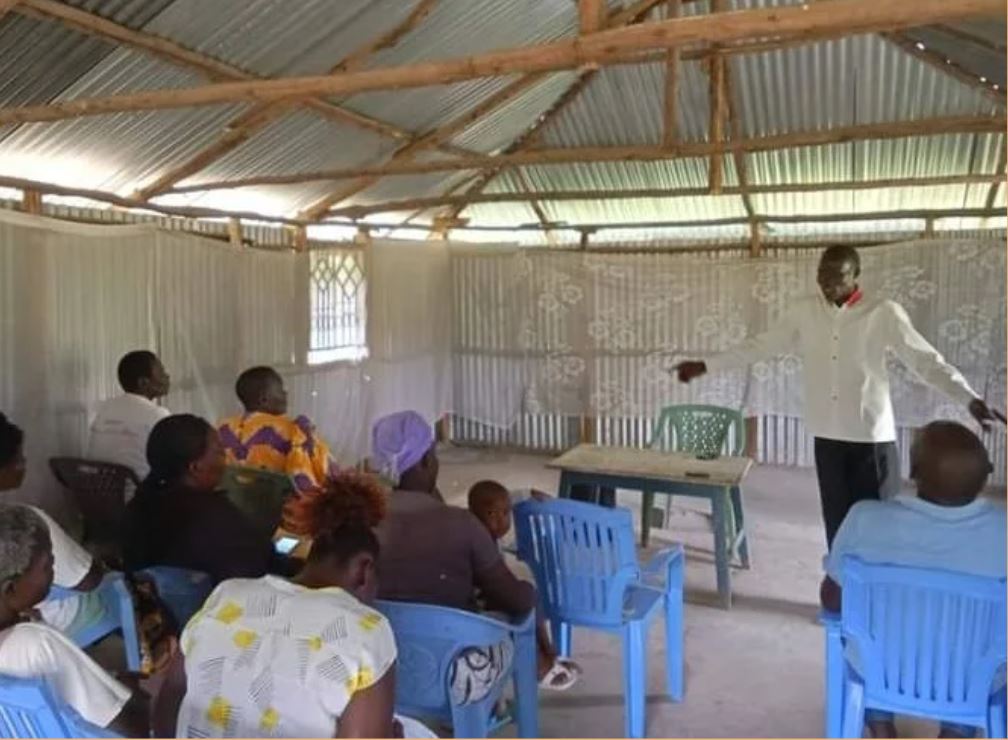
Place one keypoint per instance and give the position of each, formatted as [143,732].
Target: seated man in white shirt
[32,650]
[947,526]
[120,430]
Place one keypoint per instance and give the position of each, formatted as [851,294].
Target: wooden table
[653,471]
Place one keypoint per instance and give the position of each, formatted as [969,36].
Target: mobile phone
[285,545]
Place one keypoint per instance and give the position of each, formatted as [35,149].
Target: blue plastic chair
[182,591]
[29,709]
[586,569]
[429,638]
[118,615]
[926,643]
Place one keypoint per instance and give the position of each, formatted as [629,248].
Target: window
[338,316]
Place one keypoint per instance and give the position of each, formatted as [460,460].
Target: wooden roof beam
[101,196]
[922,214]
[849,16]
[240,129]
[532,135]
[554,196]
[407,153]
[174,53]
[638,153]
[670,108]
[6,6]
[591,16]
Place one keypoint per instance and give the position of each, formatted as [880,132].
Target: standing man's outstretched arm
[917,354]
[777,340]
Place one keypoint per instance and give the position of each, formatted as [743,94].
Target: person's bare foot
[882,729]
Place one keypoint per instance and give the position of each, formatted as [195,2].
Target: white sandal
[561,676]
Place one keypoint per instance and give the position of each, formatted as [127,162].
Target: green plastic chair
[260,494]
[707,432]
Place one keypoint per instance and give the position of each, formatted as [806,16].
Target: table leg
[565,486]
[647,504]
[741,533]
[720,502]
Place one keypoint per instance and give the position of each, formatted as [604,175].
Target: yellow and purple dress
[277,443]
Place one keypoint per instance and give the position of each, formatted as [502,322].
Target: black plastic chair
[99,490]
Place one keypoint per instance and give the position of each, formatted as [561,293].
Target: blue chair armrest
[665,569]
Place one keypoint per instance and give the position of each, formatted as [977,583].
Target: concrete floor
[754,671]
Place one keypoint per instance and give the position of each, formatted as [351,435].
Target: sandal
[561,676]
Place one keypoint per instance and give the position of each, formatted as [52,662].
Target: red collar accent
[856,296]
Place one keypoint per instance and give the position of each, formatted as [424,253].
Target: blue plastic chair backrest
[29,709]
[928,640]
[183,591]
[428,639]
[582,556]
[707,431]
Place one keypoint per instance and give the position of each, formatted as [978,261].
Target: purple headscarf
[399,441]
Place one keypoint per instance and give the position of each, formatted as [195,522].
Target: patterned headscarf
[398,442]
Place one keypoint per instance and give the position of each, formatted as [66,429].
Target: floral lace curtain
[593,334]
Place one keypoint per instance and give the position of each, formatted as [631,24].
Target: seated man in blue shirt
[945,526]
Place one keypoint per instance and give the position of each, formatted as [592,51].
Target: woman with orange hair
[307,657]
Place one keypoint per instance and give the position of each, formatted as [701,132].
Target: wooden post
[299,239]
[363,236]
[755,243]
[235,232]
[591,14]
[752,436]
[585,236]
[31,202]
[671,123]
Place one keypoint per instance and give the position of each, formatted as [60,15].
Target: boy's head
[949,464]
[490,502]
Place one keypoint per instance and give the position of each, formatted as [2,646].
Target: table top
[666,466]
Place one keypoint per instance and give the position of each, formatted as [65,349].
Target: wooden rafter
[408,152]
[850,16]
[102,196]
[240,129]
[1002,167]
[922,214]
[95,25]
[549,196]
[945,65]
[736,133]
[670,109]
[533,134]
[591,16]
[6,6]
[715,130]
[638,153]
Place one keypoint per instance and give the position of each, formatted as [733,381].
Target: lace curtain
[75,297]
[577,333]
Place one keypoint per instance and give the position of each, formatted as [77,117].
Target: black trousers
[853,471]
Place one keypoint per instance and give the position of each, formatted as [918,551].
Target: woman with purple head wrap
[403,450]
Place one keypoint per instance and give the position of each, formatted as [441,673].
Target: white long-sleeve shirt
[844,352]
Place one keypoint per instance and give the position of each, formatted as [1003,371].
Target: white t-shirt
[268,658]
[120,430]
[71,563]
[31,650]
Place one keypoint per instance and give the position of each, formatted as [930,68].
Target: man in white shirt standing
[120,430]
[843,336]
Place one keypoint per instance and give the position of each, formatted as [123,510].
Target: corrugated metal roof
[115,152]
[816,86]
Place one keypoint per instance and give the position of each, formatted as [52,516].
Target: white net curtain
[581,334]
[492,334]
[74,298]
